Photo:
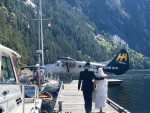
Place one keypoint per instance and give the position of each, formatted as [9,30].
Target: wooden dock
[70,100]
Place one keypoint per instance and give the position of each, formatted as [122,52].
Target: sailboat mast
[40,45]
[41,34]
[39,40]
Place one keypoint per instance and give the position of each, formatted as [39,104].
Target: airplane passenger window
[94,67]
[7,72]
[79,66]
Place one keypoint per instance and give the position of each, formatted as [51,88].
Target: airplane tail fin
[119,64]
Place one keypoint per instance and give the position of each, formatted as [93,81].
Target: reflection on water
[133,94]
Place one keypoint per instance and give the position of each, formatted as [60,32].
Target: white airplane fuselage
[117,65]
[75,68]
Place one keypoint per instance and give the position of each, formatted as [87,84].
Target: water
[133,94]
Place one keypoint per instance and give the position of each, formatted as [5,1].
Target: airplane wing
[66,59]
[67,62]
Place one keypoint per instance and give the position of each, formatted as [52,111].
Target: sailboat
[36,74]
[33,75]
[12,98]
[51,83]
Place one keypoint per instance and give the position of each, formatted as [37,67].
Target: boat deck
[29,106]
[70,100]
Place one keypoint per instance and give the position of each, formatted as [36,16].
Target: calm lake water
[134,93]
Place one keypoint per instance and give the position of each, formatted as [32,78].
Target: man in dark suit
[87,77]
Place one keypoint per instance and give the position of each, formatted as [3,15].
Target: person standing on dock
[100,93]
[37,75]
[87,77]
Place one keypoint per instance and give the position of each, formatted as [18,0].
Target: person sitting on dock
[87,77]
[100,93]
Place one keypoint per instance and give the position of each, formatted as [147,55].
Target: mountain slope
[126,19]
[72,33]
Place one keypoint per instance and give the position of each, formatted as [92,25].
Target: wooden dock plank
[72,100]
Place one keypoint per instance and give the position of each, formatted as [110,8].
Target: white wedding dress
[101,90]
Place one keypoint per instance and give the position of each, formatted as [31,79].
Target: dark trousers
[87,100]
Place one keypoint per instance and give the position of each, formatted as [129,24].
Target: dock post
[60,105]
[62,86]
[101,110]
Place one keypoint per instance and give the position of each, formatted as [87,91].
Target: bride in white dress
[100,93]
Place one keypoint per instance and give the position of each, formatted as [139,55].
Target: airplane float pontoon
[118,65]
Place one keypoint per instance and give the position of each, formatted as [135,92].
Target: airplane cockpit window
[7,73]
[68,64]
[63,65]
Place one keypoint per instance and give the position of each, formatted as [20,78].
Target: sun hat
[37,65]
[101,73]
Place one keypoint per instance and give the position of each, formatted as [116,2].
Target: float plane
[118,65]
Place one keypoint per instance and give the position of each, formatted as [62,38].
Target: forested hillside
[71,33]
[126,19]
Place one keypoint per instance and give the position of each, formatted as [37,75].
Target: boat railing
[36,96]
[116,106]
[59,103]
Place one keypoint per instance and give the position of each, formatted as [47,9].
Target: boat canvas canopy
[8,51]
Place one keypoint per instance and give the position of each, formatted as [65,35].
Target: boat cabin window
[7,72]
